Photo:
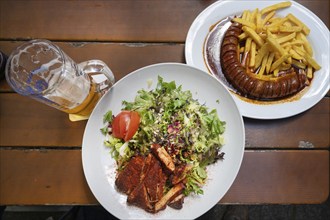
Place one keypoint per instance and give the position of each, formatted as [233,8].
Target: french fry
[278,22]
[275,72]
[245,22]
[276,7]
[242,36]
[261,53]
[253,54]
[298,64]
[269,61]
[299,50]
[307,46]
[310,60]
[278,62]
[309,72]
[248,45]
[296,21]
[254,15]
[276,46]
[263,64]
[293,42]
[258,23]
[250,32]
[290,29]
[244,14]
[268,16]
[295,55]
[286,38]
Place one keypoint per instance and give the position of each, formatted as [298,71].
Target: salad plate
[100,168]
[318,38]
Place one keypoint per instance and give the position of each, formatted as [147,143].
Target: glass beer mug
[41,70]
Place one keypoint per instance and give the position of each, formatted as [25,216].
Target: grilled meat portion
[143,179]
[151,186]
[129,178]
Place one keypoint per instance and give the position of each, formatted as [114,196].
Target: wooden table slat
[122,58]
[26,122]
[33,177]
[143,20]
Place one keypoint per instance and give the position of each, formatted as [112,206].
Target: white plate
[99,167]
[318,37]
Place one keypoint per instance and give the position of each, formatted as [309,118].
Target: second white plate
[318,37]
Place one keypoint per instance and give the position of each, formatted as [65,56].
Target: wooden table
[286,161]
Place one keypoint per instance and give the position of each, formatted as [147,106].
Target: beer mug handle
[99,73]
[101,77]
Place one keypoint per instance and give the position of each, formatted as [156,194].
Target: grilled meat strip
[143,179]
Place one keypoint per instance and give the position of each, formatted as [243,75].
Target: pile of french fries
[271,45]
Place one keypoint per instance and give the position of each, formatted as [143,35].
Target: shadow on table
[218,212]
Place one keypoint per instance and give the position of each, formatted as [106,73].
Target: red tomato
[115,127]
[133,125]
[125,125]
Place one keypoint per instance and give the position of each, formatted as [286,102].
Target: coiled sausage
[245,82]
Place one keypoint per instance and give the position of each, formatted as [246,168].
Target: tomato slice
[125,125]
[133,125]
[115,128]
[124,120]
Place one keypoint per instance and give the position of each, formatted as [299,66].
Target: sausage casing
[245,82]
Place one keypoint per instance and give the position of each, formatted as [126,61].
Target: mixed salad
[190,132]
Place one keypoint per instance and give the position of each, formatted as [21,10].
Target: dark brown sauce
[211,55]
[212,47]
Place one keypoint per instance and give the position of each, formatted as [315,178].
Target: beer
[85,107]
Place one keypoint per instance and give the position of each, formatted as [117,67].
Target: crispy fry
[242,36]
[250,32]
[275,72]
[309,72]
[278,62]
[296,21]
[263,64]
[254,15]
[278,22]
[295,55]
[299,50]
[258,23]
[245,22]
[286,38]
[261,53]
[293,42]
[275,7]
[290,29]
[248,45]
[252,54]
[310,60]
[307,46]
[298,64]
[275,45]
[268,16]
[269,62]
[244,15]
